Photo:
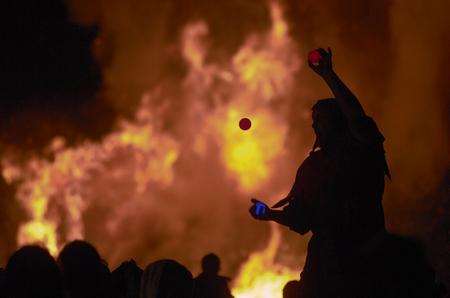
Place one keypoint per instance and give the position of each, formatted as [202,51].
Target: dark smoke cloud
[144,38]
[48,87]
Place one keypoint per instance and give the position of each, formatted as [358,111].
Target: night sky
[50,79]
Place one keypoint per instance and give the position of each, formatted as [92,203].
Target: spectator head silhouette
[211,264]
[84,272]
[328,121]
[166,279]
[291,289]
[32,272]
[209,283]
[126,279]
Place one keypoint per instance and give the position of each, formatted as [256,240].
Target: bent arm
[279,217]
[362,127]
[345,98]
[347,101]
[296,213]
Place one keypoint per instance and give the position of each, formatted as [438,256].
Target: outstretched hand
[324,65]
[256,212]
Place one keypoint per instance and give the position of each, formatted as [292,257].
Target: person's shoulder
[365,131]
[224,278]
[314,157]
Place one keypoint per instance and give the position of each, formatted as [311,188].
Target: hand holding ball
[314,57]
[320,61]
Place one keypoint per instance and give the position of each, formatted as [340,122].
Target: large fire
[248,155]
[260,276]
[139,156]
[62,181]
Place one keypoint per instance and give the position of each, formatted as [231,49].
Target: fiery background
[120,123]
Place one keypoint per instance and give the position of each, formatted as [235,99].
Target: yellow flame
[39,231]
[75,207]
[266,65]
[60,182]
[279,26]
[249,154]
[193,47]
[260,276]
[260,73]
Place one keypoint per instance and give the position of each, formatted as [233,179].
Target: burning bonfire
[138,159]
[260,276]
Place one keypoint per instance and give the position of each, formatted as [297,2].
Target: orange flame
[260,276]
[55,192]
[262,71]
[60,182]
[266,64]
[249,155]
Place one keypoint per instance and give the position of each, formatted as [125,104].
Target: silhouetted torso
[211,286]
[337,195]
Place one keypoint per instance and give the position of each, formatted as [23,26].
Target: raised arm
[347,101]
[363,128]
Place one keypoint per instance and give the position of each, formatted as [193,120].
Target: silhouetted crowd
[80,272]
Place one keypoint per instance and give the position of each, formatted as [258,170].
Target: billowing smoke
[174,176]
[165,181]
